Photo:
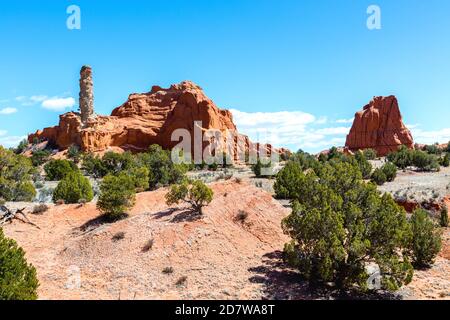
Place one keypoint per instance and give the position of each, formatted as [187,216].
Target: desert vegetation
[18,280]
[340,223]
[195,193]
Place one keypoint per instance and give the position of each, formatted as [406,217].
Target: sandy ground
[76,257]
[419,186]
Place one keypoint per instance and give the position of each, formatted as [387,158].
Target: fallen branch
[6,215]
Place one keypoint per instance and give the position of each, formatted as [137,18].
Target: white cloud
[8,110]
[58,104]
[38,98]
[334,131]
[11,141]
[430,137]
[3,132]
[345,120]
[291,129]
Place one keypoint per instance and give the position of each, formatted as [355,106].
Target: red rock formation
[379,126]
[144,119]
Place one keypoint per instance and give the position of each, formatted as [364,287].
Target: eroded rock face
[144,119]
[379,126]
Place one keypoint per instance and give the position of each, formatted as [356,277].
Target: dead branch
[7,216]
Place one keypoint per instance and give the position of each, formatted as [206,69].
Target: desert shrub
[447,149]
[39,157]
[148,245]
[213,166]
[181,281]
[72,188]
[117,195]
[16,177]
[433,149]
[287,179]
[163,171]
[196,193]
[74,153]
[117,162]
[390,171]
[56,170]
[262,169]
[322,158]
[364,165]
[118,236]
[93,165]
[426,239]
[339,223]
[40,208]
[402,158]
[379,177]
[445,161]
[443,219]
[241,216]
[23,145]
[370,154]
[304,159]
[140,176]
[168,270]
[18,280]
[425,162]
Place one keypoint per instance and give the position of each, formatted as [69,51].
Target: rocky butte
[144,119]
[379,126]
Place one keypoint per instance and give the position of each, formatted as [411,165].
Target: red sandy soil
[221,257]
[217,254]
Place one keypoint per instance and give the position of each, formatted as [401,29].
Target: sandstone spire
[86,94]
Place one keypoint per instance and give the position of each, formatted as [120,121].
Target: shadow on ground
[183,215]
[280,282]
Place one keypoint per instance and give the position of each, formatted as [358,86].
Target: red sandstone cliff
[379,126]
[144,119]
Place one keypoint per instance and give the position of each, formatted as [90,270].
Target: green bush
[73,188]
[140,176]
[195,193]
[339,223]
[18,280]
[56,170]
[40,157]
[370,154]
[287,180]
[306,160]
[390,171]
[16,177]
[433,149]
[426,239]
[93,165]
[444,217]
[163,171]
[23,145]
[117,195]
[445,161]
[379,177]
[423,161]
[402,158]
[262,170]
[364,165]
[116,162]
[74,153]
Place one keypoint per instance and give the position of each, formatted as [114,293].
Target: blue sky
[303,66]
